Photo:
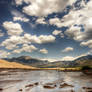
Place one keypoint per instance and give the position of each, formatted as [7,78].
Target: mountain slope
[81,61]
[84,60]
[6,64]
[28,61]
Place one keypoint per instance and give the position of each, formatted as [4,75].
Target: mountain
[6,64]
[84,60]
[27,60]
[60,64]
[81,61]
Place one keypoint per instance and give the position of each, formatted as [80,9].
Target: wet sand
[44,81]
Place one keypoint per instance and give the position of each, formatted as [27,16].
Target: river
[44,81]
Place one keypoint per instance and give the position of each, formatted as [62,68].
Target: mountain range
[27,60]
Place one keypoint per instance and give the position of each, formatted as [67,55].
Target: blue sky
[46,29]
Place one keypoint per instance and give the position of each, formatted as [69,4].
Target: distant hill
[62,64]
[27,60]
[81,61]
[6,64]
[84,60]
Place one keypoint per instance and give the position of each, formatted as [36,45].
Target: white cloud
[67,58]
[23,19]
[19,16]
[55,22]
[49,59]
[39,7]
[4,54]
[82,17]
[87,43]
[39,39]
[17,13]
[56,32]
[46,38]
[25,48]
[61,35]
[32,38]
[71,58]
[44,51]
[13,28]
[74,32]
[41,21]
[19,2]
[28,48]
[13,41]
[60,22]
[68,49]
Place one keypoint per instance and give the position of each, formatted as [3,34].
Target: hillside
[34,62]
[27,60]
[84,60]
[6,64]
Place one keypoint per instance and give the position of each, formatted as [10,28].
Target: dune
[6,64]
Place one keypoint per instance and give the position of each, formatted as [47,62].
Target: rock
[36,83]
[20,90]
[88,89]
[65,85]
[30,85]
[72,91]
[50,86]
[1,89]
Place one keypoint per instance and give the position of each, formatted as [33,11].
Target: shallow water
[34,81]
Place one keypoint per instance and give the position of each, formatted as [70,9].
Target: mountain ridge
[27,60]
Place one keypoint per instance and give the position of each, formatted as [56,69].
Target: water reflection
[54,81]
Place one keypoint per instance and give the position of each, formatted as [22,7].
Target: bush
[85,68]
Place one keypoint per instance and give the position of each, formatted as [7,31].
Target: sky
[45,29]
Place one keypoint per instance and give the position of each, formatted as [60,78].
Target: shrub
[85,68]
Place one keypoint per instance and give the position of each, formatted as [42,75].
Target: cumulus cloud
[23,19]
[68,49]
[39,39]
[4,54]
[39,7]
[74,32]
[44,51]
[50,59]
[58,32]
[80,29]
[46,38]
[61,22]
[13,28]
[16,13]
[68,58]
[25,48]
[41,21]
[87,43]
[19,2]
[71,58]
[13,41]
[55,21]
[19,16]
